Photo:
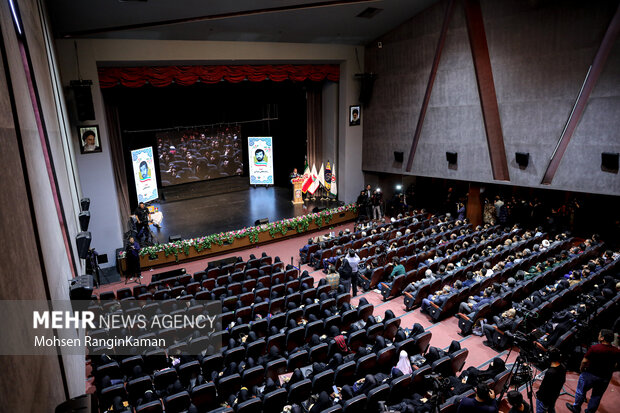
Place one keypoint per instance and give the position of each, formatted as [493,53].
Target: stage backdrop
[144,174]
[260,152]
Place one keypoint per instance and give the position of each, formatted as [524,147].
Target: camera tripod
[524,367]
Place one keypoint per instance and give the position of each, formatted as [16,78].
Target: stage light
[399,187]
[378,189]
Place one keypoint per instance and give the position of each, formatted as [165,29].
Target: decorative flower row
[299,224]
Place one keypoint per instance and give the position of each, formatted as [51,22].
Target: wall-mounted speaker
[84,218]
[398,156]
[523,159]
[609,162]
[85,204]
[367,81]
[83,99]
[262,221]
[452,157]
[81,287]
[82,241]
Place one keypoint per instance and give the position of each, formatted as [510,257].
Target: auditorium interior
[385,205]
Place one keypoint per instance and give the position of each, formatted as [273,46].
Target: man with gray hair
[413,287]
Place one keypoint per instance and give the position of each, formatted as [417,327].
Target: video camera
[523,311]
[527,347]
[436,382]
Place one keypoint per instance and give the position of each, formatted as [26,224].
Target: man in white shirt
[354,261]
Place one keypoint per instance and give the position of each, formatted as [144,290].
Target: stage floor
[207,215]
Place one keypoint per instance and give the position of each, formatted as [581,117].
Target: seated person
[331,260]
[469,279]
[483,402]
[303,252]
[474,376]
[399,269]
[333,278]
[505,322]
[515,399]
[473,303]
[438,298]
[315,259]
[415,286]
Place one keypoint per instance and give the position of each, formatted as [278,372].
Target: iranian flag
[306,177]
[315,181]
[309,182]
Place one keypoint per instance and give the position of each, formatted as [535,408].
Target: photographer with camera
[597,368]
[551,385]
[483,402]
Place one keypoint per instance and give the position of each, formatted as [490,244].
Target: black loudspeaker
[262,221]
[83,99]
[84,218]
[318,209]
[81,288]
[82,240]
[367,82]
[523,159]
[85,204]
[451,157]
[609,162]
[398,156]
[102,258]
[174,238]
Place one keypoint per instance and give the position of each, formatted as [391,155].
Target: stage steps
[205,188]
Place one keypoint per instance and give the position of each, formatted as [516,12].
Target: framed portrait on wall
[355,115]
[89,139]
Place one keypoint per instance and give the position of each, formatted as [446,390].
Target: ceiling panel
[333,23]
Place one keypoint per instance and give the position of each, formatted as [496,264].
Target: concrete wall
[36,264]
[95,170]
[540,53]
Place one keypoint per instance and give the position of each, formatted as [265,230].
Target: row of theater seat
[400,282]
[466,323]
[561,301]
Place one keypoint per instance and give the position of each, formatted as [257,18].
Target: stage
[198,216]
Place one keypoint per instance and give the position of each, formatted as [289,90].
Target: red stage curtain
[188,75]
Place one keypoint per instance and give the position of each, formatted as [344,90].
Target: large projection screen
[144,174]
[260,153]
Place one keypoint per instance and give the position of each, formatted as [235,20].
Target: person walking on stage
[132,260]
[597,367]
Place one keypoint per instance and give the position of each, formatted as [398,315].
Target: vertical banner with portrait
[260,152]
[144,174]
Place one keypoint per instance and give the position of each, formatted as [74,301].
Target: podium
[297,194]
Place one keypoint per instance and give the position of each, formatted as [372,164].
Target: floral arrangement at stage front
[299,224]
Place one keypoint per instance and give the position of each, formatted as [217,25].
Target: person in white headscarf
[404,365]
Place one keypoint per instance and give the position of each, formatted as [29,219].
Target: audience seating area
[279,322]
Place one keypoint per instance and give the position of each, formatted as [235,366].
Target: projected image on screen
[199,154]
